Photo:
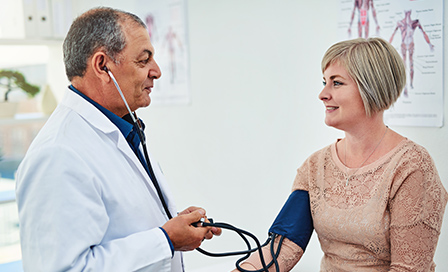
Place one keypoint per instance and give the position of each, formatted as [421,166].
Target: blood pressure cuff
[294,220]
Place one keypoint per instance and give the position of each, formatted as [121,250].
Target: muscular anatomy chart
[362,8]
[415,29]
[407,28]
[167,28]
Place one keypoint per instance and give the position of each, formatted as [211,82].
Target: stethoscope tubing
[221,225]
[143,141]
[242,233]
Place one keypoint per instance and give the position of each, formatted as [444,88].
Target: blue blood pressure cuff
[294,220]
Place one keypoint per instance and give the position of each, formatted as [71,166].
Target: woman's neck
[364,142]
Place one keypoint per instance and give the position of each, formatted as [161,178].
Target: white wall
[255,116]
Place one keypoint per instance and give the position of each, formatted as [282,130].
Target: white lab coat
[85,201]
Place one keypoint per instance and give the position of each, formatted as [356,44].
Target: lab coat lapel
[98,120]
[163,185]
[123,146]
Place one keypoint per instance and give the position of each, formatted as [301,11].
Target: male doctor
[88,198]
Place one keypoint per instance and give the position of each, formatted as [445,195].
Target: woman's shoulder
[409,157]
[413,163]
[324,151]
[410,150]
[310,166]
[316,159]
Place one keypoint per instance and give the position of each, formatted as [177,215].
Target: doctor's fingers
[191,209]
[209,235]
[183,234]
[190,240]
[214,231]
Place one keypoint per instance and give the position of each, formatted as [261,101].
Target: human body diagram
[150,24]
[363,7]
[407,27]
[170,40]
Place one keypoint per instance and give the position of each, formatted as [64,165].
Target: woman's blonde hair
[375,66]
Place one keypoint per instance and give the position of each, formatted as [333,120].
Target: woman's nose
[324,94]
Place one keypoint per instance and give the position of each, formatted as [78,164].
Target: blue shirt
[127,128]
[129,131]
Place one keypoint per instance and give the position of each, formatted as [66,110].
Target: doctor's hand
[183,235]
[214,230]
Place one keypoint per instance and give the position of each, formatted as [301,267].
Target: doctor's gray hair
[96,29]
[375,66]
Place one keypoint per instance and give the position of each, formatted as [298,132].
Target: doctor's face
[137,69]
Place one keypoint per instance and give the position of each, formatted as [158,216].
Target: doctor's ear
[99,66]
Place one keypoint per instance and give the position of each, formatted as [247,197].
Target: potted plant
[13,79]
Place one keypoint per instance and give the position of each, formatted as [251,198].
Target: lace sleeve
[290,254]
[416,208]
[312,167]
[302,179]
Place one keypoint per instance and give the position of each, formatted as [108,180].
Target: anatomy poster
[167,27]
[415,29]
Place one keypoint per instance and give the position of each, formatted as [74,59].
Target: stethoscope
[242,233]
[139,127]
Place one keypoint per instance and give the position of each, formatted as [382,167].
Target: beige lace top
[389,216]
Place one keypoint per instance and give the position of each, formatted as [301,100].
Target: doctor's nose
[154,71]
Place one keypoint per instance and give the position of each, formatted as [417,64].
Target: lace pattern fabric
[388,217]
[290,254]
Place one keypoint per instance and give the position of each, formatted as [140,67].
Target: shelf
[24,118]
[25,41]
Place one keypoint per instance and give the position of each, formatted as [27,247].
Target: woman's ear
[99,66]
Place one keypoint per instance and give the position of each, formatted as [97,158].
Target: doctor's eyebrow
[149,52]
[145,55]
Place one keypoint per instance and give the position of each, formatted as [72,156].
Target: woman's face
[343,104]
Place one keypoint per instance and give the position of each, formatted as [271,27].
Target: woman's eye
[324,83]
[337,83]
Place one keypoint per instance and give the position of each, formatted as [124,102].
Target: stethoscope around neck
[242,233]
[139,127]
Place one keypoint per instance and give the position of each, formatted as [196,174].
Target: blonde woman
[374,198]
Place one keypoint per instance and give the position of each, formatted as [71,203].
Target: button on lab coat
[85,201]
